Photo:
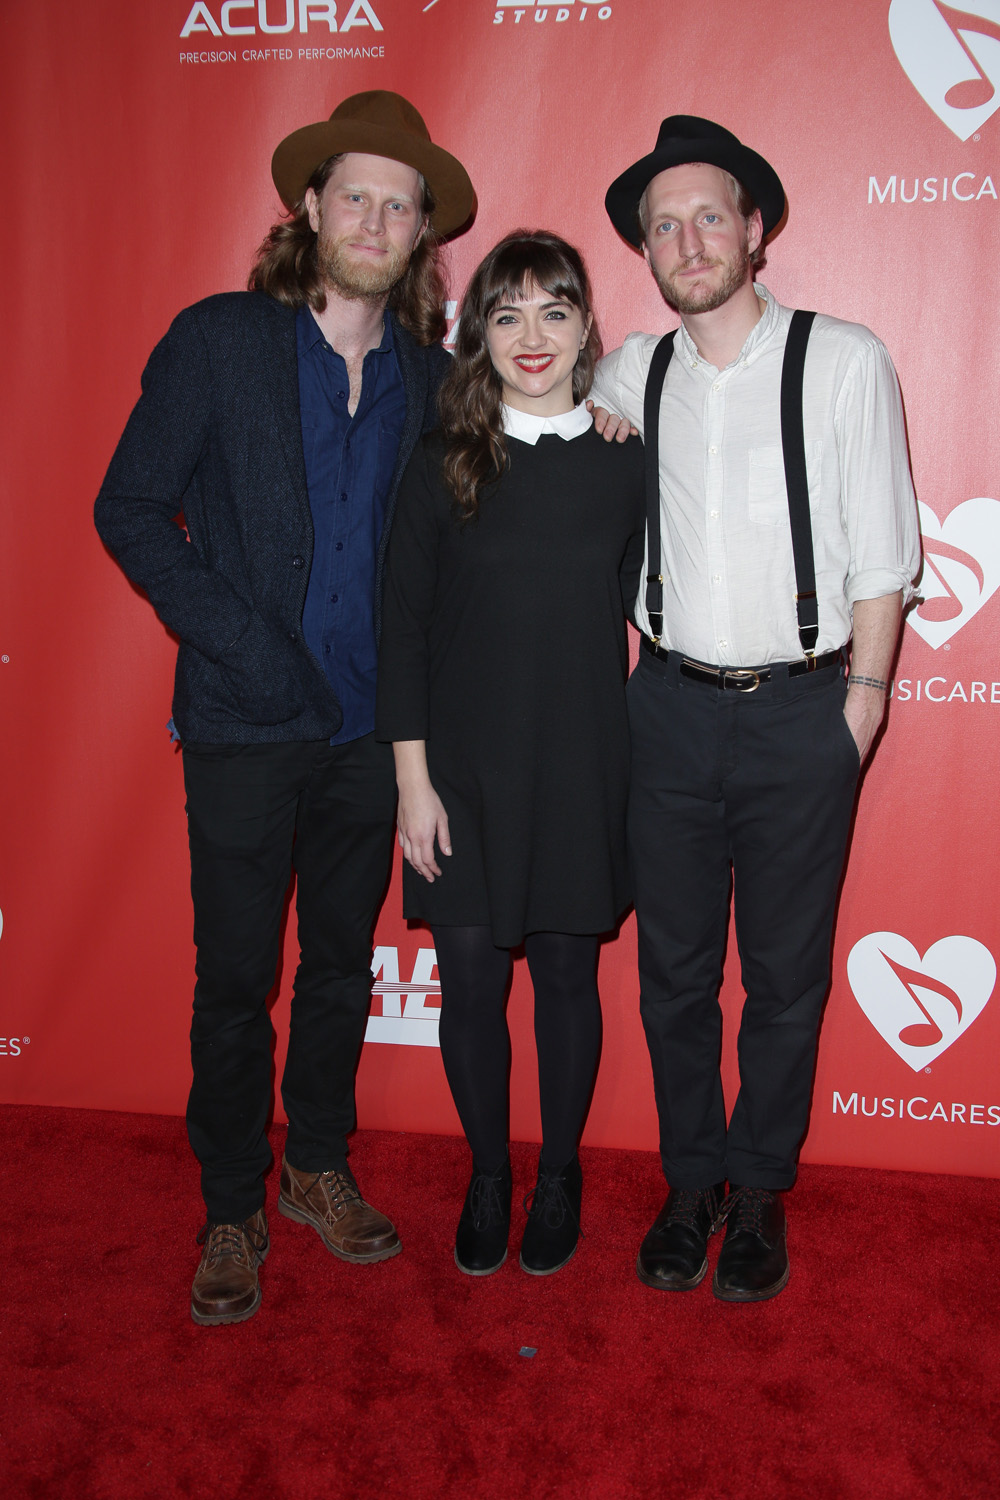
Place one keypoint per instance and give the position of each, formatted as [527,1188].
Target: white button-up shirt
[729,575]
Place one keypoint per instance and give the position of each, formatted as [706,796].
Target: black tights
[475,1042]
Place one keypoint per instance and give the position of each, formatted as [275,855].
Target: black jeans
[762,785]
[254,812]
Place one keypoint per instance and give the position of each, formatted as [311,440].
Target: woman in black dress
[501,685]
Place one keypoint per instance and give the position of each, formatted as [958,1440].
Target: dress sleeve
[630,572]
[401,706]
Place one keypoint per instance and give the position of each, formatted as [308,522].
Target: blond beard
[736,273]
[359,281]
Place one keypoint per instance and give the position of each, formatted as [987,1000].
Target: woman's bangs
[528,265]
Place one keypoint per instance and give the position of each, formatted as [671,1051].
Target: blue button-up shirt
[349,464]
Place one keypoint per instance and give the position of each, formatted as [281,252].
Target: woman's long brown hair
[471,398]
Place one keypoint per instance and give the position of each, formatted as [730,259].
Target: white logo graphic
[520,10]
[955,68]
[961,567]
[242,17]
[400,1013]
[920,1005]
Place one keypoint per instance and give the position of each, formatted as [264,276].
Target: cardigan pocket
[261,674]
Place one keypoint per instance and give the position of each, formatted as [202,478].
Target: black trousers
[254,812]
[758,789]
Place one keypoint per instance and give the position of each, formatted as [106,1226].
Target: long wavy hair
[471,398]
[287,269]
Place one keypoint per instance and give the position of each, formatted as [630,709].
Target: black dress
[504,648]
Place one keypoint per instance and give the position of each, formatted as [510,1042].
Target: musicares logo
[920,1006]
[961,567]
[400,1014]
[951,59]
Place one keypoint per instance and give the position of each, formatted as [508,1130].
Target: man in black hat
[279,422]
[784,529]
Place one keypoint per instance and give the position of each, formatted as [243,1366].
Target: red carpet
[874,1374]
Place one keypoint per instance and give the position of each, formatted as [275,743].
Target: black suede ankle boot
[553,1228]
[481,1240]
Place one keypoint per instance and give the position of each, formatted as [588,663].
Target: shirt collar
[529,428]
[310,334]
[759,335]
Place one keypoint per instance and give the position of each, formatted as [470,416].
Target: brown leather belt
[742,679]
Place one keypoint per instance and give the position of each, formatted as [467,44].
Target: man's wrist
[861,679]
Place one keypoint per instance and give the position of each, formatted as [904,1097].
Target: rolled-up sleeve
[401,709]
[879,506]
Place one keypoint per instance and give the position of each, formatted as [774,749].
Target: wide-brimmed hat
[685,138]
[378,123]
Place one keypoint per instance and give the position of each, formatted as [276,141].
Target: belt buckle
[744,684]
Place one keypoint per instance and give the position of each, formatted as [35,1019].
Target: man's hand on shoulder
[612,428]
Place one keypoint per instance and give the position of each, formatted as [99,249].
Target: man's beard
[357,279]
[705,299]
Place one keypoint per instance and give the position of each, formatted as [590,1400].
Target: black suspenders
[651,440]
[796,480]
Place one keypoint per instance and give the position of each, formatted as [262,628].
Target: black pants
[254,811]
[761,785]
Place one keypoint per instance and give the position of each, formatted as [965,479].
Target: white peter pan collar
[529,428]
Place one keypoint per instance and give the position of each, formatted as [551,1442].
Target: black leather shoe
[553,1228]
[753,1263]
[673,1255]
[481,1239]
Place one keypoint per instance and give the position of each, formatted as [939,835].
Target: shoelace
[686,1206]
[745,1206]
[548,1201]
[230,1239]
[485,1203]
[341,1189]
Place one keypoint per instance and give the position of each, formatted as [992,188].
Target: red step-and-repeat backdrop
[136,180]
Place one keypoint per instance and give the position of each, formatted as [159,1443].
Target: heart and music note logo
[951,55]
[920,1006]
[961,567]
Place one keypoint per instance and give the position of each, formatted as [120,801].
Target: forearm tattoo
[855,680]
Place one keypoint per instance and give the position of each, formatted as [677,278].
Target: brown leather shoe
[331,1203]
[226,1289]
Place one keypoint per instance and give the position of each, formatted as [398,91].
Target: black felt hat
[685,138]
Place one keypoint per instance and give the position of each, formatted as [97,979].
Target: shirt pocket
[390,431]
[767,500]
[312,423]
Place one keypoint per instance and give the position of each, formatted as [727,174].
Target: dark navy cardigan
[216,434]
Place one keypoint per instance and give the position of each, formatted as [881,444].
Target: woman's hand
[421,818]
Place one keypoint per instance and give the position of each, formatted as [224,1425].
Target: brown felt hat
[378,123]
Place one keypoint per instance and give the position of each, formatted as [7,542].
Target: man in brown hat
[782,523]
[279,422]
